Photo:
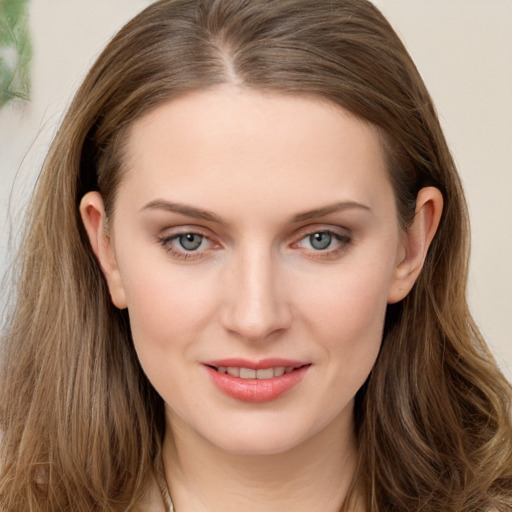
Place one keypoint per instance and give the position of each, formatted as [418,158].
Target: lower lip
[256,390]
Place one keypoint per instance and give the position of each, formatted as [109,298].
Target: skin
[257,286]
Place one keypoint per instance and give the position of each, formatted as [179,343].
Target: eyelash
[342,242]
[166,242]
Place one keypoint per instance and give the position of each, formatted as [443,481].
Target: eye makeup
[188,244]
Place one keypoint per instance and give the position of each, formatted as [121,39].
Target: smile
[250,373]
[256,382]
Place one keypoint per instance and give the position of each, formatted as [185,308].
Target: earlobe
[94,219]
[417,240]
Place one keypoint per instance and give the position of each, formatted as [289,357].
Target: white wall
[66,38]
[462,47]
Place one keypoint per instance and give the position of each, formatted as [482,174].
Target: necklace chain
[162,484]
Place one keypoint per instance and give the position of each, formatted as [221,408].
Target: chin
[267,435]
[254,445]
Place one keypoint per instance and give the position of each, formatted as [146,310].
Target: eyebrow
[329,209]
[198,213]
[183,209]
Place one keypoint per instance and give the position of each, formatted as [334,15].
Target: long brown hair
[81,425]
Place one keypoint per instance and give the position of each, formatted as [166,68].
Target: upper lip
[261,364]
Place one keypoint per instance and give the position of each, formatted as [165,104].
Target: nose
[256,306]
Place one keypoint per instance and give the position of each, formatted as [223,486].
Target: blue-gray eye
[190,241]
[320,241]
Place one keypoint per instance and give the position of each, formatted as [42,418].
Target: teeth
[265,374]
[233,371]
[249,373]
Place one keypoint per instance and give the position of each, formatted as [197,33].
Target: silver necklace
[162,484]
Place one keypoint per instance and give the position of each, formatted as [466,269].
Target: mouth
[251,373]
[261,381]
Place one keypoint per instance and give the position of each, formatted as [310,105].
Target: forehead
[230,143]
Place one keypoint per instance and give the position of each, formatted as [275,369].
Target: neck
[316,475]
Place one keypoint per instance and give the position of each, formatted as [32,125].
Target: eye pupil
[320,241]
[190,241]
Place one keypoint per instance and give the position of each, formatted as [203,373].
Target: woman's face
[254,235]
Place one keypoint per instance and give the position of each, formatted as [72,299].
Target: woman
[243,281]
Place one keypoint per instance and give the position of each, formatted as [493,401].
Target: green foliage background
[15,51]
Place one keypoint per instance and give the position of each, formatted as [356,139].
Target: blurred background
[463,49]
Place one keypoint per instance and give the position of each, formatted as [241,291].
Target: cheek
[353,352]
[349,319]
[358,322]
[162,307]
[164,304]
[353,296]
[164,317]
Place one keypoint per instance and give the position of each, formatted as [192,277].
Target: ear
[416,241]
[94,219]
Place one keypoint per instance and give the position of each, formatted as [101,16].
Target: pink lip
[256,390]
[262,364]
